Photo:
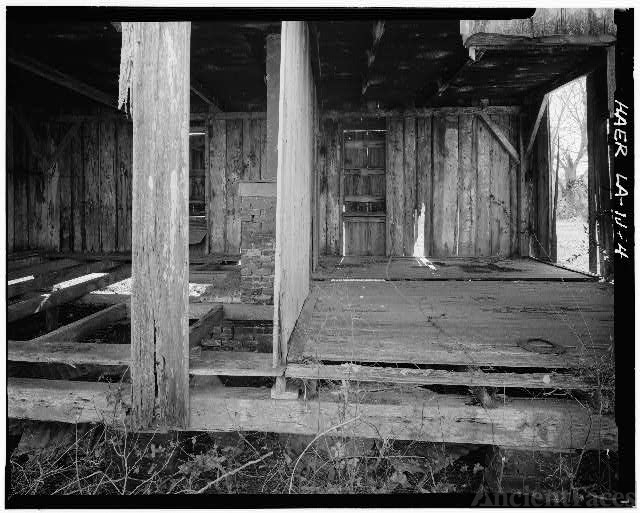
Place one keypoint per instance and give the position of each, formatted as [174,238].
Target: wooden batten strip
[353,372]
[500,136]
[77,330]
[41,269]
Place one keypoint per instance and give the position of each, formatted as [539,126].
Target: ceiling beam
[198,90]
[377,31]
[60,78]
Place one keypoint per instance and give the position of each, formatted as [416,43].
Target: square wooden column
[273,102]
[160,54]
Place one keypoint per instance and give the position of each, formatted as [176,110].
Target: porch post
[160,54]
[273,102]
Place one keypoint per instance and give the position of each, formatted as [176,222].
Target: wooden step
[476,377]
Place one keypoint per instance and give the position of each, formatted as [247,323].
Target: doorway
[364,193]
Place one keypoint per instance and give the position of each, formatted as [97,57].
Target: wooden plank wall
[69,183]
[295,166]
[237,152]
[451,185]
[538,182]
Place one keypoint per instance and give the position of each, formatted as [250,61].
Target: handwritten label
[620,138]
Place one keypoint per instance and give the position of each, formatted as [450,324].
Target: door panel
[364,192]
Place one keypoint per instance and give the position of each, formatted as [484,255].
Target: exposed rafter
[60,78]
[377,31]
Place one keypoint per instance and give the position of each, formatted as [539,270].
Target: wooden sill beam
[499,134]
[60,78]
[531,424]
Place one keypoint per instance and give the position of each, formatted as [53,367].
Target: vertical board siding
[72,192]
[395,187]
[237,152]
[410,184]
[424,171]
[77,192]
[451,187]
[234,173]
[91,161]
[333,171]
[107,186]
[9,184]
[217,206]
[467,185]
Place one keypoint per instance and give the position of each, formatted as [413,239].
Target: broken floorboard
[68,292]
[478,324]
[471,377]
[449,268]
[38,280]
[536,424]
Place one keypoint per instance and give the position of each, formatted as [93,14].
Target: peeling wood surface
[535,424]
[295,161]
[160,253]
[530,424]
[456,323]
[417,376]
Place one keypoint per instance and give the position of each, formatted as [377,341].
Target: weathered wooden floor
[450,268]
[454,323]
[379,346]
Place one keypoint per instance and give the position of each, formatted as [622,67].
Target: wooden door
[364,192]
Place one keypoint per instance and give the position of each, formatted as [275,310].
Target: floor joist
[50,278]
[42,302]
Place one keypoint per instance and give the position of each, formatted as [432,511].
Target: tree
[569,128]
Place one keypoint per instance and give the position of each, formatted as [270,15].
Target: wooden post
[273,101]
[295,164]
[160,56]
